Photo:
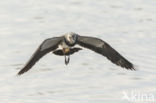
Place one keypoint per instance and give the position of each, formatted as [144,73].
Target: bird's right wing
[104,49]
[47,46]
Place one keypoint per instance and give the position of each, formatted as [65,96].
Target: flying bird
[66,45]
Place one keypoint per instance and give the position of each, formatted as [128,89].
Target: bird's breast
[63,45]
[66,50]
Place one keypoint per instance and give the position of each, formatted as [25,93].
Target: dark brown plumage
[104,49]
[43,49]
[67,43]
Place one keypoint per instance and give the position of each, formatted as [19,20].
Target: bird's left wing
[47,45]
[104,49]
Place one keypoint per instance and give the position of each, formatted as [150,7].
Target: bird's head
[71,38]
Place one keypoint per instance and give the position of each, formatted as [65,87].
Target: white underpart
[63,45]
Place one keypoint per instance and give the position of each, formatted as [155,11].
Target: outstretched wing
[104,49]
[46,46]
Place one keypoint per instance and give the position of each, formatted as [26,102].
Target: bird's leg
[67,59]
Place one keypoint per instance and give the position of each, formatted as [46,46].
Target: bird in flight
[66,45]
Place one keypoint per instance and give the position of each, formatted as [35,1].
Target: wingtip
[132,67]
[18,74]
[21,72]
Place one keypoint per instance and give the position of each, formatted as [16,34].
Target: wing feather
[47,46]
[104,49]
